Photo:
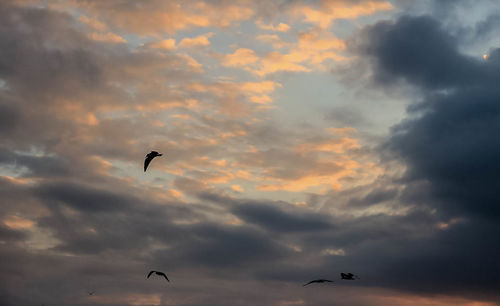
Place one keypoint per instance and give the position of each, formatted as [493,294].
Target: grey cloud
[276,219]
[7,234]
[419,51]
[375,196]
[449,144]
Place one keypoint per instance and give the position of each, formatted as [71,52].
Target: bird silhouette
[149,158]
[318,281]
[158,273]
[348,276]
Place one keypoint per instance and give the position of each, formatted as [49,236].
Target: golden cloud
[198,41]
[328,11]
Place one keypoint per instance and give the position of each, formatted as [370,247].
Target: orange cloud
[93,23]
[275,61]
[281,27]
[100,32]
[198,41]
[157,16]
[336,145]
[16,222]
[313,178]
[237,188]
[155,106]
[328,11]
[166,44]
[256,92]
[312,49]
[242,57]
[259,87]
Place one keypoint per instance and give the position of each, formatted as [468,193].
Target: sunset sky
[300,139]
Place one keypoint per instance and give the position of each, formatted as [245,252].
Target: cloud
[281,27]
[310,52]
[276,219]
[166,44]
[198,41]
[77,115]
[166,17]
[327,11]
[241,57]
[447,145]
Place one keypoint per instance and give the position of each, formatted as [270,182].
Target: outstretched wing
[149,274]
[308,283]
[164,275]
[148,159]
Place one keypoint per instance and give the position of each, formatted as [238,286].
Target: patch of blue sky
[303,94]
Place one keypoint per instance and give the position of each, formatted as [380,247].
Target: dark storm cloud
[35,43]
[375,196]
[419,51]
[38,166]
[272,215]
[228,246]
[96,230]
[7,234]
[452,137]
[274,218]
[9,116]
[83,198]
[450,145]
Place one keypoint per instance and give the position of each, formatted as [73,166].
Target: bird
[149,158]
[158,273]
[91,292]
[348,276]
[318,281]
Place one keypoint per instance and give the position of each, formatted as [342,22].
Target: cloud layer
[245,199]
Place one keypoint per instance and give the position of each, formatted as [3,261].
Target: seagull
[149,158]
[318,281]
[159,273]
[348,276]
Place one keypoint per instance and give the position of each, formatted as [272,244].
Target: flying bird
[318,281]
[348,276]
[159,273]
[149,158]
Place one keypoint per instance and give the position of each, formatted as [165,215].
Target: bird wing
[148,159]
[149,274]
[164,275]
[308,283]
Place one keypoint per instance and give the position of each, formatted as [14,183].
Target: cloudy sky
[301,139]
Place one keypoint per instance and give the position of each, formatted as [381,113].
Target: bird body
[318,281]
[348,276]
[158,273]
[149,158]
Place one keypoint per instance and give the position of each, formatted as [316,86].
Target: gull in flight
[149,158]
[158,273]
[348,276]
[318,281]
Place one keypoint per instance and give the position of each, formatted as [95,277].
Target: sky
[300,139]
